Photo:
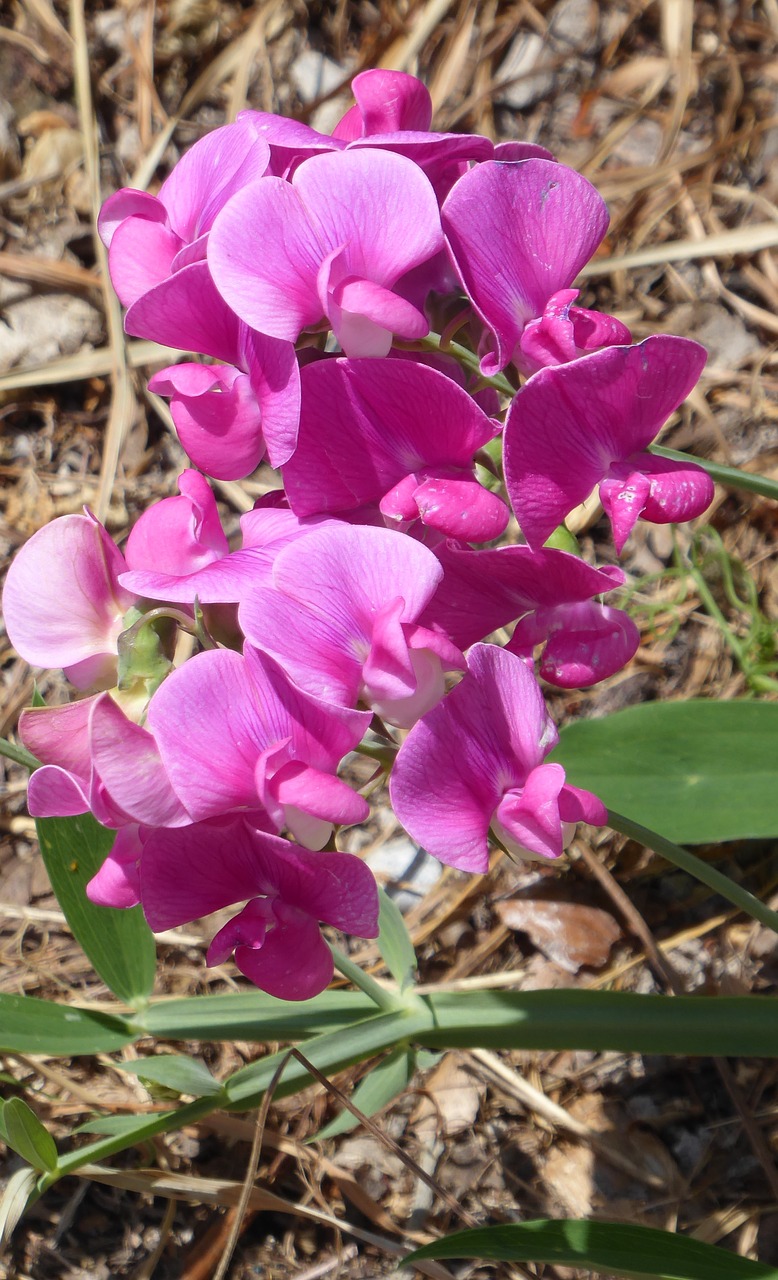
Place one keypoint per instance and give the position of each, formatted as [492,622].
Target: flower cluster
[307,275]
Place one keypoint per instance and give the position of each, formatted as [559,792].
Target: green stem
[706,596]
[18,754]
[695,866]
[163,1122]
[731,476]
[468,360]
[388,1001]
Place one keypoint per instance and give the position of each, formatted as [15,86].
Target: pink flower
[234,734]
[150,237]
[476,761]
[551,592]
[341,620]
[399,433]
[94,759]
[180,535]
[276,938]
[225,579]
[519,233]
[329,244]
[589,423]
[63,603]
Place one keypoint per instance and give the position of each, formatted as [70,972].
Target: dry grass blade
[251,1171]
[536,1101]
[52,275]
[226,1194]
[741,240]
[123,400]
[85,364]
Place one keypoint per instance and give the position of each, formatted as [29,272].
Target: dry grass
[670,108]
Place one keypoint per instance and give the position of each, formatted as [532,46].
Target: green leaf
[635,1253]
[383,1082]
[115,1125]
[28,1137]
[394,942]
[726,1026]
[28,1025]
[697,772]
[252,1015]
[119,944]
[184,1075]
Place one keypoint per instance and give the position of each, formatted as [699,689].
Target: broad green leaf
[252,1015]
[119,944]
[185,1075]
[611,1248]
[697,772]
[28,1137]
[383,1082]
[28,1025]
[394,941]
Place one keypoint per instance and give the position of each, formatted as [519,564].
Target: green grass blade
[119,944]
[383,1082]
[394,942]
[607,1248]
[252,1015]
[726,1026]
[28,1025]
[174,1071]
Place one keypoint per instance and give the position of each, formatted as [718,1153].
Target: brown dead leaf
[451,1098]
[569,934]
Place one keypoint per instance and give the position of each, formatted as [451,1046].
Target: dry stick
[673,981]
[251,1171]
[382,1137]
[149,1265]
[123,398]
[386,1141]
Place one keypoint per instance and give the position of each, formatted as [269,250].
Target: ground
[670,108]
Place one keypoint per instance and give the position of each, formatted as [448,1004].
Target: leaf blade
[119,944]
[606,1247]
[28,1137]
[697,772]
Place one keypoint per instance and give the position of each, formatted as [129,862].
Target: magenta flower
[519,233]
[589,423]
[94,759]
[234,735]
[276,938]
[551,592]
[226,579]
[386,102]
[341,620]
[150,237]
[475,762]
[180,535]
[398,433]
[63,603]
[328,246]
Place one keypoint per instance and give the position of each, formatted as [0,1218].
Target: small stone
[526,51]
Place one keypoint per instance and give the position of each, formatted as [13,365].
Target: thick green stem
[716,880]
